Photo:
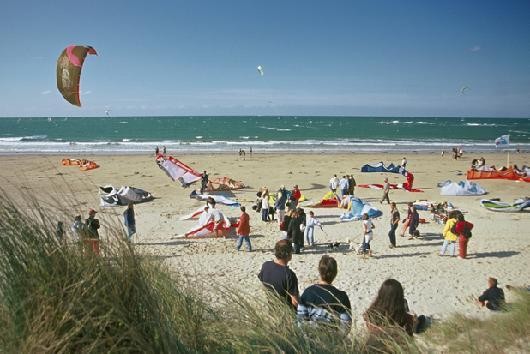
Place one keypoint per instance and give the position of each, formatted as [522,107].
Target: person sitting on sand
[389,310]
[309,231]
[278,278]
[493,297]
[449,236]
[322,302]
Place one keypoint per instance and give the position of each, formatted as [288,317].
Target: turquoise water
[217,134]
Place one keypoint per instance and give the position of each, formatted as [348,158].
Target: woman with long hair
[389,309]
[463,230]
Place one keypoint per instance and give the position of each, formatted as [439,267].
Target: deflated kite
[69,65]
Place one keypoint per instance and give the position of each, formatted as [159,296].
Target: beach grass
[60,298]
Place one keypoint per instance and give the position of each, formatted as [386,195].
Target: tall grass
[62,298]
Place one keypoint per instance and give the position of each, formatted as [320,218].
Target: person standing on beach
[351,185]
[394,223]
[449,236]
[309,231]
[278,278]
[413,222]
[334,183]
[129,219]
[386,190]
[279,205]
[243,230]
[295,196]
[406,221]
[463,230]
[92,224]
[265,205]
[204,182]
[294,232]
[368,235]
[343,186]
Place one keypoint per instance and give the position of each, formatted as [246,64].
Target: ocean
[108,135]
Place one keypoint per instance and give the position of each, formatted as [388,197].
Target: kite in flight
[463,90]
[69,66]
[260,70]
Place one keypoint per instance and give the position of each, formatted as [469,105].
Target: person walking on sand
[463,230]
[407,220]
[449,235]
[343,186]
[243,230]
[265,205]
[324,303]
[204,182]
[386,190]
[129,219]
[309,231]
[278,278]
[368,235]
[394,223]
[334,183]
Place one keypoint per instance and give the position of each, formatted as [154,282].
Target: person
[386,190]
[243,230]
[295,196]
[279,205]
[333,183]
[406,221]
[389,309]
[351,185]
[250,151]
[59,232]
[265,205]
[77,228]
[204,182]
[404,162]
[294,232]
[322,302]
[92,224]
[205,216]
[129,219]
[343,186]
[368,234]
[164,150]
[157,151]
[394,223]
[272,202]
[493,297]
[463,230]
[449,236]
[309,231]
[278,278]
[413,223]
[284,225]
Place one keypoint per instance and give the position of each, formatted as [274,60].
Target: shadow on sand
[499,254]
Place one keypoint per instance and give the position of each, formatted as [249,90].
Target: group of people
[343,186]
[322,302]
[456,229]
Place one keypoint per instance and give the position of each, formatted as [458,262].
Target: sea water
[263,134]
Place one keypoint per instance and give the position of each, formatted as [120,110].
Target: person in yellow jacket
[450,238]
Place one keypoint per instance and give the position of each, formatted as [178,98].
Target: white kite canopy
[177,170]
[260,70]
[462,188]
[110,196]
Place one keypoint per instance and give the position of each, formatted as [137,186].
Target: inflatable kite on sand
[329,200]
[357,208]
[69,65]
[220,199]
[224,184]
[515,207]
[84,165]
[462,188]
[208,227]
[380,167]
[177,170]
[111,196]
[510,173]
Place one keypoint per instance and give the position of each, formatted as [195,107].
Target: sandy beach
[434,285]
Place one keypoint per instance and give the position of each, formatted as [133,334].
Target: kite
[69,65]
[177,170]
[260,70]
[463,90]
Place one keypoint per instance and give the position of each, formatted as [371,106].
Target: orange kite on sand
[84,165]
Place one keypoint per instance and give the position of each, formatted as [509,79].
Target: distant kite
[69,66]
[260,70]
[464,89]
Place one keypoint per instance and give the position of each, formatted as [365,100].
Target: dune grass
[62,298]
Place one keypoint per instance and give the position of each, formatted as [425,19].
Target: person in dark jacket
[463,230]
[129,220]
[493,297]
[92,224]
[414,222]
[294,233]
[279,205]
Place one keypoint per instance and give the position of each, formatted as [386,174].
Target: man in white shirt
[333,183]
[343,185]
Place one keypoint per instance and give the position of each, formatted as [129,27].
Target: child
[368,235]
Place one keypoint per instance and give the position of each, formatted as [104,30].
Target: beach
[434,285]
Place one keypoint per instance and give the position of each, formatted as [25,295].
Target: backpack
[467,233]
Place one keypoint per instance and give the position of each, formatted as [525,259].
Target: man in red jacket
[243,230]
[463,230]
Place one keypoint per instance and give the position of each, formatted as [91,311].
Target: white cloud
[475,48]
[46,92]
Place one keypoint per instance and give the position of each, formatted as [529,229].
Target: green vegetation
[61,298]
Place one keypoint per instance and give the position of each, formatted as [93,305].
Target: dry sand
[434,285]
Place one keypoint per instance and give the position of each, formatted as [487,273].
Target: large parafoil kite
[69,66]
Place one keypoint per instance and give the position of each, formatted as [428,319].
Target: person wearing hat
[92,224]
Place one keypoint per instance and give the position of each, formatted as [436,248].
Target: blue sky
[376,58]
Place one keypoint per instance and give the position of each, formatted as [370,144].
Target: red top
[463,225]
[296,194]
[243,227]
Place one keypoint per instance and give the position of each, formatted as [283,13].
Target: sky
[351,58]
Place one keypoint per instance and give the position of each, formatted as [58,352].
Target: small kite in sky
[260,70]
[464,89]
[69,65]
